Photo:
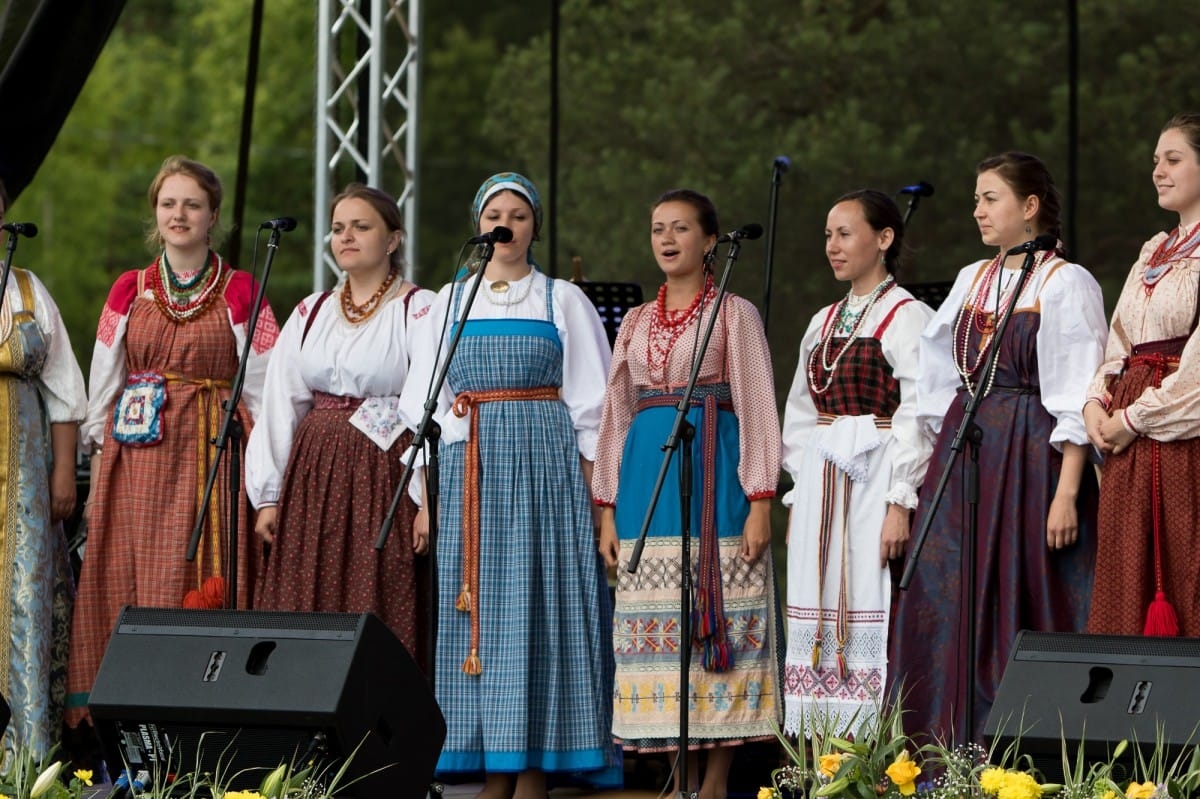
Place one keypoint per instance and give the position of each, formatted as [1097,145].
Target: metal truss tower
[368,87]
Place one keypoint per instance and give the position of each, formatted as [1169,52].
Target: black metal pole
[248,94]
[552,193]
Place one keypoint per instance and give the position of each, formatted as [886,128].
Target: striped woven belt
[710,627]
[208,413]
[468,598]
[881,422]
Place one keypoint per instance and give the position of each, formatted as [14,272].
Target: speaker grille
[1131,649]
[237,623]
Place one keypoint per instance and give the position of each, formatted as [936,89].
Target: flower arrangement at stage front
[25,776]
[878,761]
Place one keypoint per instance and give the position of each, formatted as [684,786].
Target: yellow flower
[242,795]
[831,762]
[1019,785]
[1109,794]
[1140,790]
[84,775]
[766,793]
[991,780]
[903,772]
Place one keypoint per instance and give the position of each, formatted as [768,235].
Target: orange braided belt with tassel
[468,597]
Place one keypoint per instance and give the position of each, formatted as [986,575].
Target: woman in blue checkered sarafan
[523,660]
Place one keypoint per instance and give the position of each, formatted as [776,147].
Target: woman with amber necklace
[523,666]
[327,455]
[1143,412]
[167,349]
[1035,540]
[734,674]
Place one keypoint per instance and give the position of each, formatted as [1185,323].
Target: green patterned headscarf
[509,181]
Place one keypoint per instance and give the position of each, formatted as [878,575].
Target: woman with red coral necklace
[1143,412]
[734,675]
[167,349]
[1036,508]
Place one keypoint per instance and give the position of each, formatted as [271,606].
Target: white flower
[45,780]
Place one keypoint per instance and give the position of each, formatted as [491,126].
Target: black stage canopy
[47,49]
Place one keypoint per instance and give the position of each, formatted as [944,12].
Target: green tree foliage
[653,95]
[884,93]
[170,80]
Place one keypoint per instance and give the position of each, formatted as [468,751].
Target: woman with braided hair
[1035,540]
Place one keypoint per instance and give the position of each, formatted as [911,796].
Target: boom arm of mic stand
[913,201]
[235,395]
[964,427]
[423,429]
[682,408]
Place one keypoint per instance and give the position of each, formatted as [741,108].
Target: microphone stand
[430,431]
[968,433]
[778,168]
[10,248]
[233,430]
[685,431]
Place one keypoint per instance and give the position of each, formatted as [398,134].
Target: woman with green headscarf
[524,655]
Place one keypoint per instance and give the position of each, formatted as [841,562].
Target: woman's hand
[1062,524]
[264,523]
[420,531]
[610,548]
[62,492]
[756,533]
[895,534]
[1115,435]
[1094,416]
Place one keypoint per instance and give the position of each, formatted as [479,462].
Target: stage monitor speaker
[264,688]
[1098,690]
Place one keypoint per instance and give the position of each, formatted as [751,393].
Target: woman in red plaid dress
[1143,412]
[166,352]
[853,448]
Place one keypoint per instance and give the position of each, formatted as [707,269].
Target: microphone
[1046,241]
[497,235]
[921,189]
[783,163]
[750,231]
[26,229]
[283,223]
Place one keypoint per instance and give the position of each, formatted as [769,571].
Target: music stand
[932,294]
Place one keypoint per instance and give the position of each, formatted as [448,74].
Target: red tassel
[1160,618]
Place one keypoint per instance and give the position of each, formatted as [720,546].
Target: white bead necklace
[821,351]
